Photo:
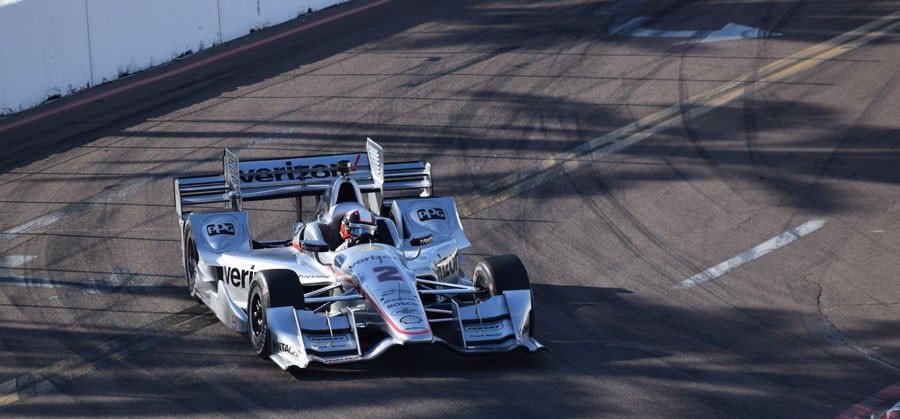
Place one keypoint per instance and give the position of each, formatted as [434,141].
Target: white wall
[52,48]
[43,48]
[239,17]
[133,35]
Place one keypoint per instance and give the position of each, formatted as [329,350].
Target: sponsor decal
[385,300]
[447,267]
[292,173]
[237,277]
[426,214]
[486,326]
[283,347]
[326,341]
[490,329]
[388,293]
[405,311]
[402,302]
[411,319]
[219,228]
[379,258]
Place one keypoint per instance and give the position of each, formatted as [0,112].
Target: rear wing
[254,180]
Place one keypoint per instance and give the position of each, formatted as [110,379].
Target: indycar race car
[314,299]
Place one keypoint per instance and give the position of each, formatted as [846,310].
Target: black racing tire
[270,288]
[191,260]
[494,275]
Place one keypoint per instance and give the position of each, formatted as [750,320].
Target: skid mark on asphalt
[134,342]
[198,317]
[118,281]
[586,153]
[463,65]
[756,252]
[79,208]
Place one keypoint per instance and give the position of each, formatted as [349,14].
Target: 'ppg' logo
[223,228]
[426,214]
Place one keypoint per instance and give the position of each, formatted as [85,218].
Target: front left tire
[269,289]
[191,260]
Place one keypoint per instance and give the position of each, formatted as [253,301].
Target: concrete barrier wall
[52,48]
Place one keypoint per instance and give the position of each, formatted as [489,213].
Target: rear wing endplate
[254,180]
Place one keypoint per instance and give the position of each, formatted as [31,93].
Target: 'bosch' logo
[220,228]
[426,214]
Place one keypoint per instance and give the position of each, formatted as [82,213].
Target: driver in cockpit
[357,226]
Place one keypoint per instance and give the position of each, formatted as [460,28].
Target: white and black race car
[302,300]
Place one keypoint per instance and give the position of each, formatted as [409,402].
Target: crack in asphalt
[835,333]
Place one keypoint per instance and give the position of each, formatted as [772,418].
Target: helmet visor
[356,229]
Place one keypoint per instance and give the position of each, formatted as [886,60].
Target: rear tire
[191,260]
[495,274]
[269,289]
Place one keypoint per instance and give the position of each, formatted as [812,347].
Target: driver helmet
[357,222]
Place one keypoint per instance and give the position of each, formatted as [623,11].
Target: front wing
[299,337]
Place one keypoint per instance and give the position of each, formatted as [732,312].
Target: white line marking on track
[730,32]
[694,107]
[8,263]
[14,261]
[752,254]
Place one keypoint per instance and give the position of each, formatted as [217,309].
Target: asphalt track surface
[616,166]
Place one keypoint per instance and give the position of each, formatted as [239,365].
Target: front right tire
[495,274]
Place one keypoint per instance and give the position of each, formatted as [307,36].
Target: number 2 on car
[387,273]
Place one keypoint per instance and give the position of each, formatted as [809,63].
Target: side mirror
[421,240]
[315,247]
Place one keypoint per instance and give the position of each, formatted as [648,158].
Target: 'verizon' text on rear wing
[253,180]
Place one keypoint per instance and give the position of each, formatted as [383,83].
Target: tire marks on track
[617,140]
[630,219]
[135,342]
[197,317]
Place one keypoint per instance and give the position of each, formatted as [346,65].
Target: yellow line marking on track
[560,164]
[9,399]
[42,380]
